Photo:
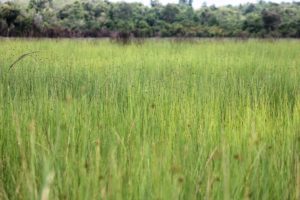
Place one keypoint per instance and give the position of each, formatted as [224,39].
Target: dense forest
[101,18]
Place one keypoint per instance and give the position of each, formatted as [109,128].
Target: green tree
[271,20]
[170,12]
[154,3]
[9,12]
[208,18]
[39,5]
[253,24]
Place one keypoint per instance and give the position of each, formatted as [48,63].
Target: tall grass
[91,119]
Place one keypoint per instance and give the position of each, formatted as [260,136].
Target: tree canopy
[101,18]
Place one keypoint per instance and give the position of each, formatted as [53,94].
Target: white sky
[198,3]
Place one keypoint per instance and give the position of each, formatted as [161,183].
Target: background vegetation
[91,119]
[98,18]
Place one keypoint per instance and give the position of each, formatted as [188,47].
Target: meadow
[155,119]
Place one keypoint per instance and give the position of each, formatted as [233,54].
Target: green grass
[91,119]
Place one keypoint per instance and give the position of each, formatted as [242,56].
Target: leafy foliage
[96,18]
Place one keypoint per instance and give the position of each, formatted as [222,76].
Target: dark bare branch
[21,58]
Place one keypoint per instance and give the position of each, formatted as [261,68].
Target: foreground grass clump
[90,119]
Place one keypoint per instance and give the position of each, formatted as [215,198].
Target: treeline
[98,18]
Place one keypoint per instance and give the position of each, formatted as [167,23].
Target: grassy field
[92,119]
